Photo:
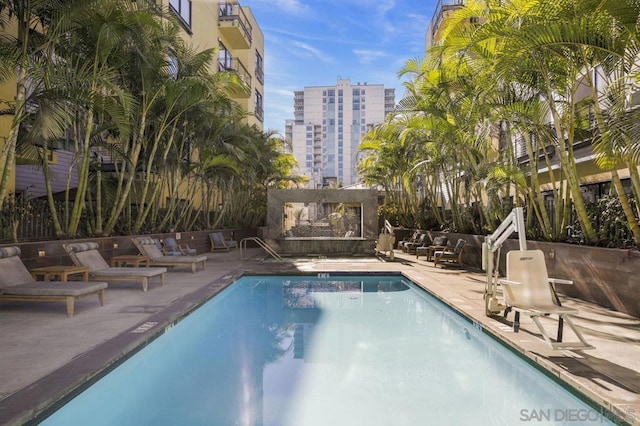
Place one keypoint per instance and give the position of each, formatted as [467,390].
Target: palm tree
[507,33]
[17,51]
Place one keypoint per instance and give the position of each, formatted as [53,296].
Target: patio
[45,354]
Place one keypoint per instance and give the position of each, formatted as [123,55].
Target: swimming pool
[326,350]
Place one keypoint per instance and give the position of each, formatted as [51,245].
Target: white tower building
[328,125]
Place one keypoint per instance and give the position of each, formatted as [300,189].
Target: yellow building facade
[231,28]
[226,26]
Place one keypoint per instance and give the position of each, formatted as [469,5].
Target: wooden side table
[428,251]
[61,272]
[130,260]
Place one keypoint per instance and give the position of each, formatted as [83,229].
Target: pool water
[337,350]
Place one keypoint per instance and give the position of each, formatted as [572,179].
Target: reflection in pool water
[365,350]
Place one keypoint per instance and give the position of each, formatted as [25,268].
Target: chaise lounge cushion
[17,284]
[16,279]
[53,288]
[147,246]
[87,254]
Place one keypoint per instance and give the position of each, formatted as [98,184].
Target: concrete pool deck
[44,355]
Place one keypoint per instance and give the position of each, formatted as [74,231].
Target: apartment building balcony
[229,64]
[443,7]
[234,25]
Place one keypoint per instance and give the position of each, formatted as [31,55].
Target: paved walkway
[44,354]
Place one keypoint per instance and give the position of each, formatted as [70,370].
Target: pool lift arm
[514,222]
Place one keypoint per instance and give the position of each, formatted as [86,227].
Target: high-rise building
[329,123]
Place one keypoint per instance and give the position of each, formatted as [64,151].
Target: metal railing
[262,244]
[233,13]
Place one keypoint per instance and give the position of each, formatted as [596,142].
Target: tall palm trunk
[565,154]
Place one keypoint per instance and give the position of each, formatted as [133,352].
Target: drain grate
[145,327]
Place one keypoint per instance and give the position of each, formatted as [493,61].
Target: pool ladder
[261,243]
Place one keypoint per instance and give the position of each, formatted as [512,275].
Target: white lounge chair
[528,290]
[147,246]
[17,284]
[87,254]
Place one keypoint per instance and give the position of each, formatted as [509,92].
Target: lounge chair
[147,247]
[87,254]
[17,284]
[412,246]
[411,239]
[450,255]
[528,290]
[438,243]
[170,247]
[219,242]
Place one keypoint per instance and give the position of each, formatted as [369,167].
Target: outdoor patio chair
[528,290]
[170,247]
[449,255]
[411,239]
[147,247]
[219,242]
[438,243]
[87,254]
[17,284]
[411,247]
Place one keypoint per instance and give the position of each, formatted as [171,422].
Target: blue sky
[315,42]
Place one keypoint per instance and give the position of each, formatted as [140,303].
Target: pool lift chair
[386,241]
[527,288]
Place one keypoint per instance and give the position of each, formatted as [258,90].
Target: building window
[259,68]
[183,9]
[259,112]
[225,59]
[51,156]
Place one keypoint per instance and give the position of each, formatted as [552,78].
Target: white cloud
[290,7]
[367,56]
[385,6]
[280,92]
[306,51]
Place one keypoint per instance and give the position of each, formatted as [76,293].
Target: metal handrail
[262,244]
